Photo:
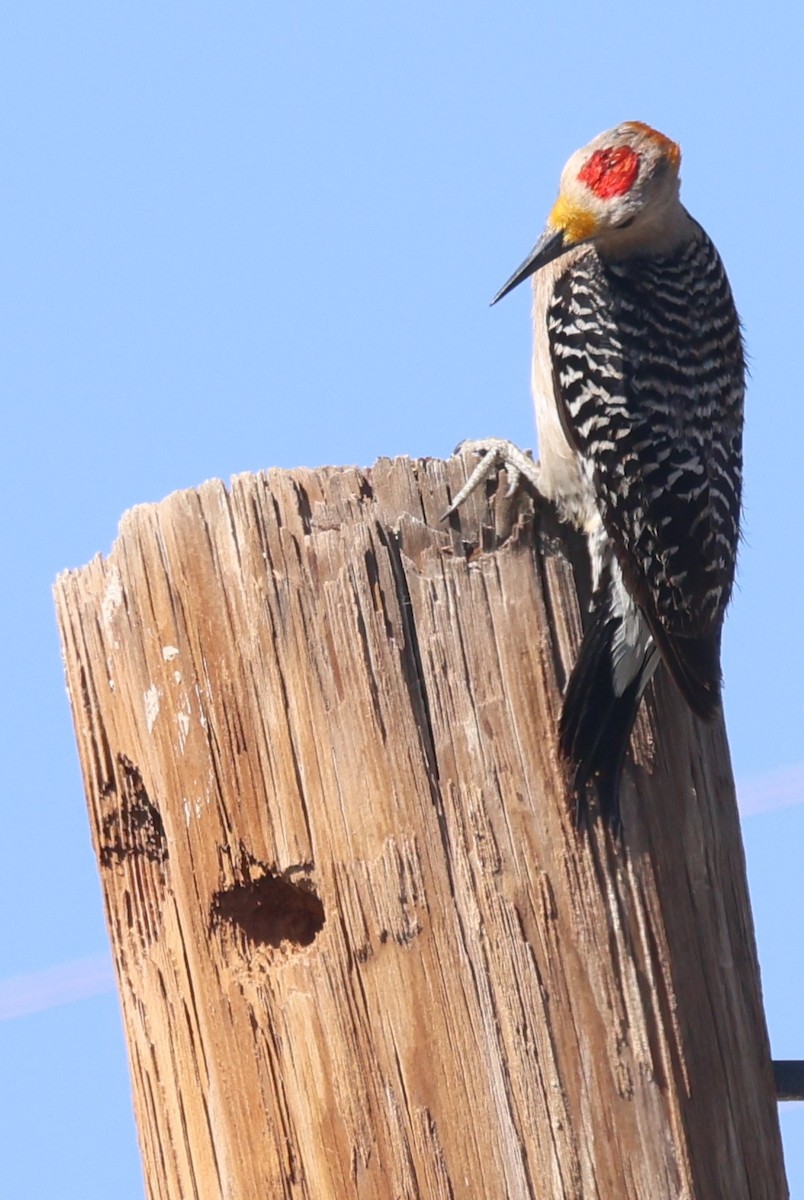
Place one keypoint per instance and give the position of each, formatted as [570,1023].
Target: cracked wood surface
[361,951]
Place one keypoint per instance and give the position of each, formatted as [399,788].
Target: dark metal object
[789,1076]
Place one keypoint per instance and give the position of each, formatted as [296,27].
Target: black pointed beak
[548,247]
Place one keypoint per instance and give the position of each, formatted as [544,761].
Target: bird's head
[618,193]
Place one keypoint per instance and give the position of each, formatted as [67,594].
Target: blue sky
[265,234]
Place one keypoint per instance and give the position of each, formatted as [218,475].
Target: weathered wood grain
[361,950]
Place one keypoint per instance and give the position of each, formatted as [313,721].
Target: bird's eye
[610,171]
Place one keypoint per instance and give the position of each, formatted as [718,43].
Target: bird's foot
[495,453]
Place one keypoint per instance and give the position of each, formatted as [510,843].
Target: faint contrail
[37,991]
[775,789]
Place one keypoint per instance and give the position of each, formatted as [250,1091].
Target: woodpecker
[638,384]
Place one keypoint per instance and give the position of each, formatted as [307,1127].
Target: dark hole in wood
[271,910]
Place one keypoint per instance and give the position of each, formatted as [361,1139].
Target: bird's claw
[495,453]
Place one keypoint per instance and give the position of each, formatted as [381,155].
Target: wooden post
[361,950]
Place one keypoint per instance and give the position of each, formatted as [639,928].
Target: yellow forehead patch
[577,224]
[670,149]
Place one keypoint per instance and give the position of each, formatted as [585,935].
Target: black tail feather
[596,723]
[694,663]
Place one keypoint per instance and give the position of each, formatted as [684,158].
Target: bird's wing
[649,376]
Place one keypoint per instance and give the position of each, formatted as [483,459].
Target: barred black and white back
[649,376]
